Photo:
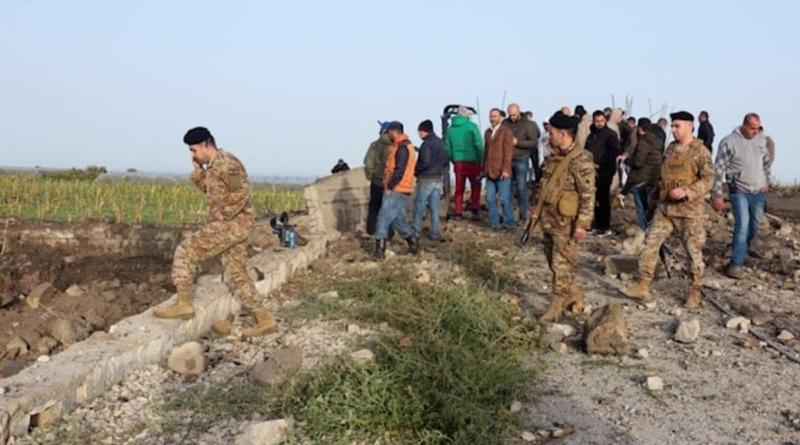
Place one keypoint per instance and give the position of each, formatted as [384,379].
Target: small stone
[63,331]
[19,344]
[406,342]
[615,265]
[716,353]
[272,372]
[688,332]
[543,433]
[516,407]
[559,348]
[564,330]
[654,384]
[74,291]
[354,329]
[558,433]
[222,327]
[740,323]
[363,356]
[423,277]
[272,432]
[459,281]
[43,359]
[676,312]
[187,359]
[650,305]
[528,436]
[785,336]
[45,345]
[330,295]
[749,343]
[39,294]
[643,354]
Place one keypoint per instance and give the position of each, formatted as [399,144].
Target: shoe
[379,252]
[735,272]
[603,232]
[458,217]
[413,245]
[264,325]
[554,311]
[694,300]
[576,302]
[476,216]
[181,310]
[640,292]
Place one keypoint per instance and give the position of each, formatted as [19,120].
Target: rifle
[662,254]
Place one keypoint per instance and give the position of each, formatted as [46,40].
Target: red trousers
[467,171]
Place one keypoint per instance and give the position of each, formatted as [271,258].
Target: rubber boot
[554,311]
[413,245]
[264,324]
[182,309]
[379,252]
[694,300]
[641,291]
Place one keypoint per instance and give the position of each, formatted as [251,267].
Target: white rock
[330,295]
[74,291]
[688,332]
[559,433]
[559,348]
[643,354]
[187,359]
[363,356]
[785,336]
[564,330]
[740,323]
[528,436]
[516,407]
[423,277]
[650,305]
[43,358]
[677,312]
[271,432]
[654,384]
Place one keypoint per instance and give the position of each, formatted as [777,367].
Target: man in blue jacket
[429,170]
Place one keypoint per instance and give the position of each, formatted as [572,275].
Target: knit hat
[426,126]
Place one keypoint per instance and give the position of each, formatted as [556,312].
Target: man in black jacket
[429,170]
[526,139]
[706,131]
[604,145]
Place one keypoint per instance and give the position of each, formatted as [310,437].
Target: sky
[290,87]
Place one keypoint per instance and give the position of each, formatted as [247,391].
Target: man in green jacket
[464,146]
[374,164]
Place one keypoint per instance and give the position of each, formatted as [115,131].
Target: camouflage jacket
[696,160]
[580,179]
[227,189]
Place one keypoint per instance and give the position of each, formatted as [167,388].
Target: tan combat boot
[554,311]
[264,324]
[576,301]
[641,291]
[182,309]
[694,300]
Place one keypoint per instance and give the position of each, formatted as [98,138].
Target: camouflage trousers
[227,239]
[693,233]
[562,257]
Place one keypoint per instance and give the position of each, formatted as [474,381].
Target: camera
[287,235]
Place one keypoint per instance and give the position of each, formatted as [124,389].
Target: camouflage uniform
[227,191]
[688,167]
[560,248]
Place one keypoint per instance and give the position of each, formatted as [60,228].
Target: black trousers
[537,169]
[602,213]
[375,201]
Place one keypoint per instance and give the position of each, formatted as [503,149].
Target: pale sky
[290,87]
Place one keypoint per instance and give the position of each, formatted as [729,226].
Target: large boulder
[607,331]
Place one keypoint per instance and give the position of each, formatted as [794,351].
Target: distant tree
[131,170]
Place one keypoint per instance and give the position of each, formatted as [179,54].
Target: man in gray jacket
[742,166]
[526,139]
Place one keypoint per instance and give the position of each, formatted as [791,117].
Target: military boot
[554,311]
[413,245]
[182,309]
[695,298]
[641,291]
[379,252]
[576,302]
[264,324]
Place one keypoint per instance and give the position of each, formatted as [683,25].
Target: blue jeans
[748,210]
[520,170]
[393,214]
[640,193]
[428,195]
[503,187]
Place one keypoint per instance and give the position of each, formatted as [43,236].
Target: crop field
[166,204]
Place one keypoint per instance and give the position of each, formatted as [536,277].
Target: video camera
[285,231]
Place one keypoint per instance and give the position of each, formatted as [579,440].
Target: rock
[74,291]
[40,294]
[617,264]
[607,331]
[516,407]
[785,336]
[222,327]
[785,229]
[6,299]
[356,329]
[423,277]
[330,295]
[643,354]
[19,344]
[756,316]
[271,432]
[740,323]
[272,372]
[560,347]
[363,356]
[650,305]
[187,359]
[45,345]
[63,331]
[677,312]
[564,330]
[688,331]
[635,243]
[712,283]
[528,436]
[654,384]
[43,358]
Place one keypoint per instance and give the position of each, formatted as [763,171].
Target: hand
[515,141]
[505,175]
[718,203]
[387,192]
[677,194]
[622,158]
[580,233]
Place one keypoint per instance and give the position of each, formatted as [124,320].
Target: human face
[513,113]
[557,137]
[751,127]
[394,134]
[682,131]
[423,134]
[202,153]
[599,121]
[495,118]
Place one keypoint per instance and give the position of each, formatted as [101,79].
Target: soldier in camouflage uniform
[565,206]
[227,189]
[686,177]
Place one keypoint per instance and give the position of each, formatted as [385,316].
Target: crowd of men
[570,170]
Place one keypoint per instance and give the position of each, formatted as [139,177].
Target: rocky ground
[712,385]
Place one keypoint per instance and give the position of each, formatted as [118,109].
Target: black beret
[196,135]
[682,116]
[563,122]
[395,125]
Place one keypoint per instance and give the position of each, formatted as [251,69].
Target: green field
[168,204]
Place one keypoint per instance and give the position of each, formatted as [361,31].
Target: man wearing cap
[398,183]
[429,170]
[686,176]
[223,179]
[565,207]
[374,165]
